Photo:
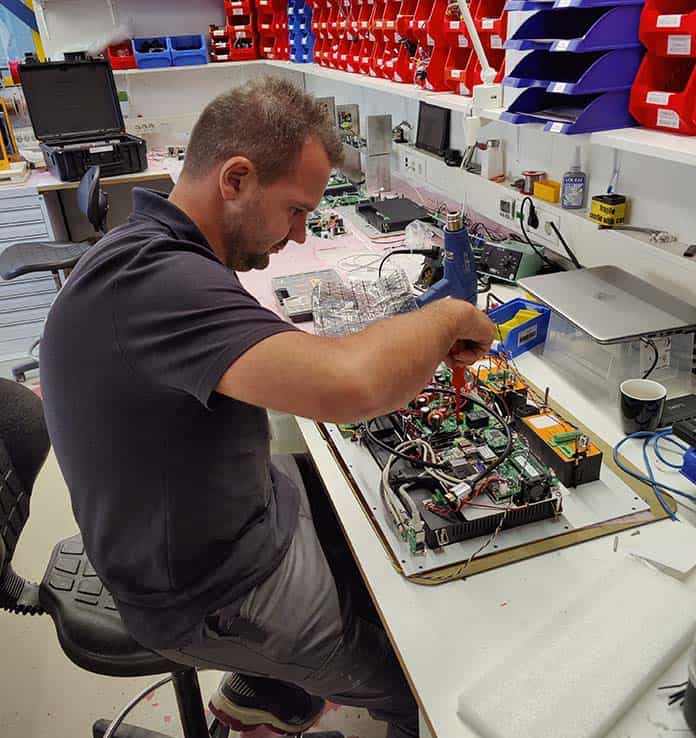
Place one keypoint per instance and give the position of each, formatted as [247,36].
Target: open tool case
[76,116]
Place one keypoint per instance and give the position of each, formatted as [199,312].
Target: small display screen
[433,129]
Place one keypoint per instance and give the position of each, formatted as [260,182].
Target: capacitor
[422,400]
[435,419]
[425,411]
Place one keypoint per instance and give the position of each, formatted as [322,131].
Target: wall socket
[511,207]
[412,162]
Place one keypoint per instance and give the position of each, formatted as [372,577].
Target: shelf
[657,144]
[186,68]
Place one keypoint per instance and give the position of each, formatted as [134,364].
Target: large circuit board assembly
[470,460]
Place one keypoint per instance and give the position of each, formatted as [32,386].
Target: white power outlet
[543,233]
[412,162]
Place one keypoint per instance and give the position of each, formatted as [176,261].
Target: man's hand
[477,334]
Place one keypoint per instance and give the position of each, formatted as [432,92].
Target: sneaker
[244,702]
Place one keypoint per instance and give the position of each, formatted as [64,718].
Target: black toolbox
[74,109]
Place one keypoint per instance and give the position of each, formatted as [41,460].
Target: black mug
[642,403]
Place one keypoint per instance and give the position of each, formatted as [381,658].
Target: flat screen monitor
[433,132]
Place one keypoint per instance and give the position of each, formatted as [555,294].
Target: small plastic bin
[187,50]
[146,58]
[527,335]
[121,55]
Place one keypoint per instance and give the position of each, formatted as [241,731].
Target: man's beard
[245,241]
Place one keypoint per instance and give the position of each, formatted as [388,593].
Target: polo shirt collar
[157,206]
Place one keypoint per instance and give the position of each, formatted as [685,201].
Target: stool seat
[89,627]
[40,256]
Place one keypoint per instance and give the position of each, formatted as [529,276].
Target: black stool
[19,259]
[89,627]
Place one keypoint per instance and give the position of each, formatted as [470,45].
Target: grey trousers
[312,622]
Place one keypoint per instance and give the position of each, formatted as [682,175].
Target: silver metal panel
[352,165]
[379,134]
[329,105]
[377,174]
[588,505]
[610,304]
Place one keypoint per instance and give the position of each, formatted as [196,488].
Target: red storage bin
[364,16]
[455,70]
[404,17]
[435,28]
[668,27]
[490,20]
[366,48]
[121,55]
[353,64]
[435,72]
[419,23]
[405,65]
[377,59]
[496,58]
[377,20]
[664,94]
[391,11]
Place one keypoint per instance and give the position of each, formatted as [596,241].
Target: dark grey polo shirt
[172,486]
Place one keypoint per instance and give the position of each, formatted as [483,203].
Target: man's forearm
[397,356]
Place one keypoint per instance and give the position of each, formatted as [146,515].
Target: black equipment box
[391,215]
[77,118]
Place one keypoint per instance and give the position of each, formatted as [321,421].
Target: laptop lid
[611,305]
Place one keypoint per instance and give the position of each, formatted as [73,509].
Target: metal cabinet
[26,215]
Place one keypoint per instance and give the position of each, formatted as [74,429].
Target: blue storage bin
[523,337]
[188,50]
[577,74]
[152,59]
[579,30]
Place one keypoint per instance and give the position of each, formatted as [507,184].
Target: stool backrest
[92,200]
[24,445]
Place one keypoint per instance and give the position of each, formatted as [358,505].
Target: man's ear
[237,178]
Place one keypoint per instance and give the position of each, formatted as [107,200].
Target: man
[157,367]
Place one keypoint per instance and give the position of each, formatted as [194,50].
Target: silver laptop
[612,305]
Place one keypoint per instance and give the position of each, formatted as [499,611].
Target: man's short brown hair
[267,120]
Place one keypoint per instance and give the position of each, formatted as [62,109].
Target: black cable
[485,284]
[444,467]
[651,343]
[536,249]
[432,253]
[572,256]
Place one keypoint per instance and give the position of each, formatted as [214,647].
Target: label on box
[291,11]
[344,57]
[454,25]
[422,23]
[390,24]
[237,11]
[456,73]
[679,45]
[658,98]
[669,21]
[667,118]
[431,41]
[528,334]
[496,42]
[462,41]
[241,34]
[556,127]
[562,45]
[560,87]
[544,421]
[487,23]
[100,149]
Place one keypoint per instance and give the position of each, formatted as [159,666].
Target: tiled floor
[43,695]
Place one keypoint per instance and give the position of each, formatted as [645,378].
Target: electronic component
[508,260]
[678,408]
[686,430]
[477,419]
[433,132]
[571,455]
[391,215]
[325,223]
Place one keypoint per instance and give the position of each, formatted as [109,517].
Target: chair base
[216,731]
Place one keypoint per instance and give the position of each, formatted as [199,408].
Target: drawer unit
[24,302]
